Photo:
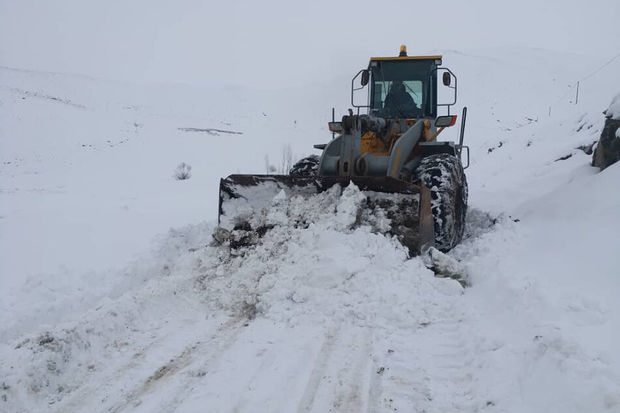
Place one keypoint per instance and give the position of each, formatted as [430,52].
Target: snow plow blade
[406,205]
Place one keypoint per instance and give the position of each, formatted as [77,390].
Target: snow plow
[390,153]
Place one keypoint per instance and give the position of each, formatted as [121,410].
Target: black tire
[443,175]
[308,166]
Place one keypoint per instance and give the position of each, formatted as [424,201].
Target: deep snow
[311,319]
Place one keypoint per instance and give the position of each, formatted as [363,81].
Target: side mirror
[445,121]
[365,77]
[359,94]
[447,79]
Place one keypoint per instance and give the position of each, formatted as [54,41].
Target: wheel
[443,175]
[308,166]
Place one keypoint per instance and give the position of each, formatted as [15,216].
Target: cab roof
[438,57]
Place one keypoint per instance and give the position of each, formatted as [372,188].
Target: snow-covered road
[325,319]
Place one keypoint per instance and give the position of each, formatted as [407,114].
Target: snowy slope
[87,167]
[328,318]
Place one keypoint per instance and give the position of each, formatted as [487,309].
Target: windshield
[402,89]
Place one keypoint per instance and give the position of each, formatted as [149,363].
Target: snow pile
[337,267]
[613,111]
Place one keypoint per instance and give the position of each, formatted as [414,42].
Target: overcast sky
[281,42]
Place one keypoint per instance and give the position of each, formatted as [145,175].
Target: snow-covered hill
[320,319]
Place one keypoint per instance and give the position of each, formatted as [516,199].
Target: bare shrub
[286,162]
[182,172]
[287,159]
[269,168]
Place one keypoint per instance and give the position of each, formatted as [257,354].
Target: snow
[613,111]
[115,297]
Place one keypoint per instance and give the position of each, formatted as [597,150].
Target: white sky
[268,42]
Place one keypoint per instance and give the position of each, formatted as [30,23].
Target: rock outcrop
[608,149]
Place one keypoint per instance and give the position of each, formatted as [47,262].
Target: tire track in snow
[340,380]
[109,384]
[267,368]
[320,365]
[431,369]
[107,390]
[207,352]
[452,377]
[404,380]
[353,376]
[375,387]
